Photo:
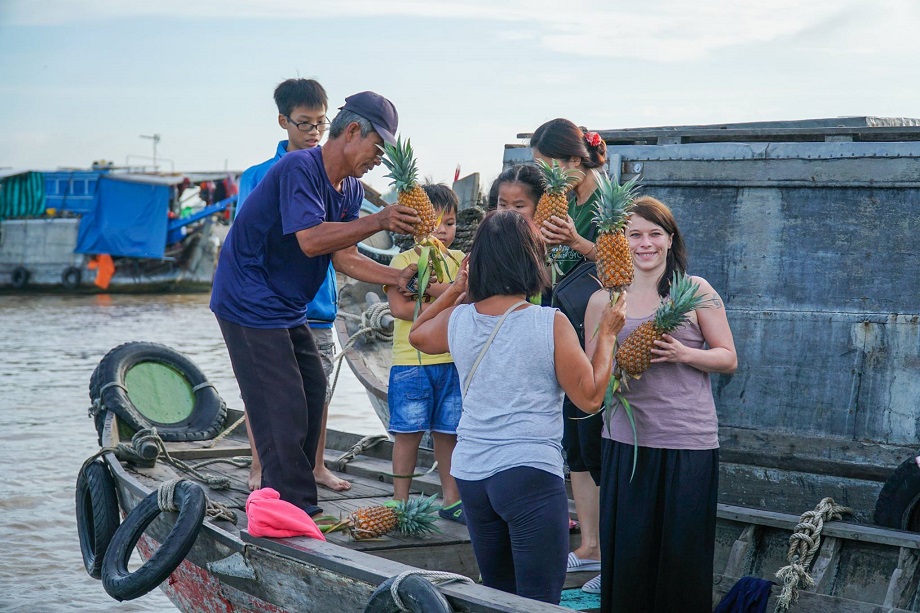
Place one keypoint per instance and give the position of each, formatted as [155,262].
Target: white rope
[166,501]
[434,576]
[371,329]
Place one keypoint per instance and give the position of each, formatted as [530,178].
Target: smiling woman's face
[648,242]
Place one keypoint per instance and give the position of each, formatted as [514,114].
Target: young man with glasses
[301,216]
[302,106]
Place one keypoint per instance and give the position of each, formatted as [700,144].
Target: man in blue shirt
[302,215]
[302,106]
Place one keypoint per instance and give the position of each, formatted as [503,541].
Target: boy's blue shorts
[423,398]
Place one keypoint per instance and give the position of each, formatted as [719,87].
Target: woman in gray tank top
[515,362]
[657,528]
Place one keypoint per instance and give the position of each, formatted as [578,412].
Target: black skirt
[657,532]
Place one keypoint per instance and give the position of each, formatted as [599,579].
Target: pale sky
[81,80]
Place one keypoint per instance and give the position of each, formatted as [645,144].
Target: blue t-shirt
[253,175]
[322,309]
[263,279]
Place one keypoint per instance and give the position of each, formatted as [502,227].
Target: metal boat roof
[842,129]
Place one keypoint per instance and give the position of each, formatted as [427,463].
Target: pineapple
[614,261]
[635,354]
[412,517]
[400,161]
[557,181]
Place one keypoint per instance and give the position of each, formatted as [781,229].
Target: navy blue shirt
[263,279]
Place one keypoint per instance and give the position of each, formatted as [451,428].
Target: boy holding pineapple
[424,391]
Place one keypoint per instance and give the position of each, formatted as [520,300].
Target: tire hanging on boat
[97,514]
[71,278]
[108,390]
[20,277]
[898,504]
[416,593]
[124,585]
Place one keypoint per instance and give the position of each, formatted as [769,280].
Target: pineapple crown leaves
[682,299]
[614,203]
[400,161]
[417,516]
[556,179]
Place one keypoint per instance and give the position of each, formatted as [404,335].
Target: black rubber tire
[898,504]
[207,416]
[71,278]
[20,277]
[124,585]
[416,593]
[97,514]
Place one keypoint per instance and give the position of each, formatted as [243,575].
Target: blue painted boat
[62,228]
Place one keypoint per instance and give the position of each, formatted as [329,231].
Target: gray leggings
[518,522]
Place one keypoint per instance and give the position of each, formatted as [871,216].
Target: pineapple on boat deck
[411,517]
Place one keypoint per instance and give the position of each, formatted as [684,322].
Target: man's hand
[397,218]
[408,273]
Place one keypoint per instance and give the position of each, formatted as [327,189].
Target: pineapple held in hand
[634,356]
[400,161]
[557,181]
[412,517]
[614,260]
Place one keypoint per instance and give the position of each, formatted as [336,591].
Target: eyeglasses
[306,126]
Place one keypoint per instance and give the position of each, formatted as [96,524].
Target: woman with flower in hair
[572,240]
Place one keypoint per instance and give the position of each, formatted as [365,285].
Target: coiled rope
[362,445]
[126,452]
[166,501]
[803,545]
[372,329]
[435,576]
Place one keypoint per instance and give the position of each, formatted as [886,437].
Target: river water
[49,346]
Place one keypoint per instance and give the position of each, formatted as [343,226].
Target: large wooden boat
[807,230]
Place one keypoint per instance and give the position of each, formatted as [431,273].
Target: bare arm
[585,380]
[332,236]
[349,262]
[429,332]
[720,357]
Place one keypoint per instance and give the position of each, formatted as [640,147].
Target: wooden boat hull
[228,570]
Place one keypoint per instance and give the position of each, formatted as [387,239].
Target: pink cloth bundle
[275,518]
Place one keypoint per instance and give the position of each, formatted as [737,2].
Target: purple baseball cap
[377,110]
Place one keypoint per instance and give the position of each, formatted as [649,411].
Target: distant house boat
[106,228]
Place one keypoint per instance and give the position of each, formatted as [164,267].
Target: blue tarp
[128,218]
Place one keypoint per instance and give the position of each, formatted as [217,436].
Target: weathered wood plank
[845,530]
[373,570]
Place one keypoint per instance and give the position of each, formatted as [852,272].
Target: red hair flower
[593,138]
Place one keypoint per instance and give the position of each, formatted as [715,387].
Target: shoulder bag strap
[482,354]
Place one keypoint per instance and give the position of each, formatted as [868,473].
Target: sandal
[454,513]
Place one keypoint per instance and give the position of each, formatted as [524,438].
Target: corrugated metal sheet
[22,195]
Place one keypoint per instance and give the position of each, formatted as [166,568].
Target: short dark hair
[527,175]
[442,197]
[561,139]
[299,92]
[507,258]
[655,211]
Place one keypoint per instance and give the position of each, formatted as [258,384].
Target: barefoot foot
[327,479]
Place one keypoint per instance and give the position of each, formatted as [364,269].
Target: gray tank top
[512,412]
[672,403]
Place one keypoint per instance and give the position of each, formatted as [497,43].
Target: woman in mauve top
[658,528]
